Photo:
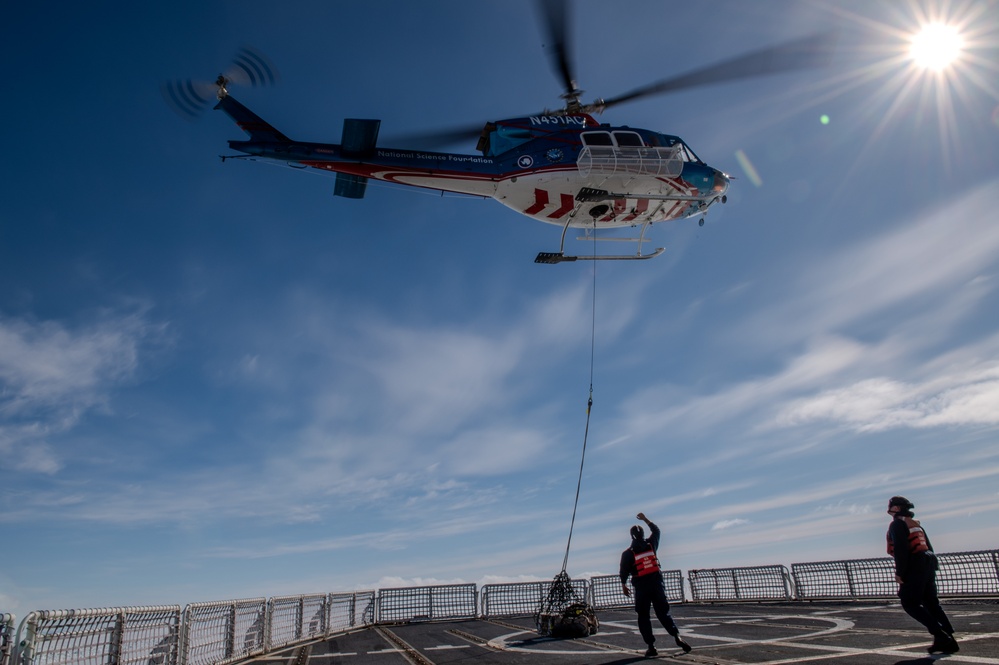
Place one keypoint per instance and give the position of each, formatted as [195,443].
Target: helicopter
[562,167]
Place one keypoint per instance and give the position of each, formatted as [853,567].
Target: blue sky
[219,381]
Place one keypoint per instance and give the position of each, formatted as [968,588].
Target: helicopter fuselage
[568,170]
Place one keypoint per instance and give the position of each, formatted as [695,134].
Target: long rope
[589,406]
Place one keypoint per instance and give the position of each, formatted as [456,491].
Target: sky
[219,381]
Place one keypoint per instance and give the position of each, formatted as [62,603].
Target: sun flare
[926,67]
[936,46]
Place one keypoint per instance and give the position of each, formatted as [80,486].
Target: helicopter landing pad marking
[509,642]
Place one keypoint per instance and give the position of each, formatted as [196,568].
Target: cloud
[728,524]
[967,398]
[435,379]
[52,374]
[372,397]
[879,335]
[922,263]
[494,451]
[46,364]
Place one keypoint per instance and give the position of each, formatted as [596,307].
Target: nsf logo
[525,161]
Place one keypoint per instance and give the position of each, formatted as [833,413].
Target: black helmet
[901,502]
[637,533]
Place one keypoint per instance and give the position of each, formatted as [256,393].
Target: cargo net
[563,613]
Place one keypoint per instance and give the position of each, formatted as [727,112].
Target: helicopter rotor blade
[189,98]
[251,67]
[437,139]
[555,15]
[804,53]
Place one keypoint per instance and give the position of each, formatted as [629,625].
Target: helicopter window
[504,138]
[628,139]
[597,138]
[682,149]
[688,154]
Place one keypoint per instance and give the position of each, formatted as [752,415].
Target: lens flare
[748,168]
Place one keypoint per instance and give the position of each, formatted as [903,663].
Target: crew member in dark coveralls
[641,564]
[916,574]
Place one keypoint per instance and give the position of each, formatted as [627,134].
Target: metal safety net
[564,611]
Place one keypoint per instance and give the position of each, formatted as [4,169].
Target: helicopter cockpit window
[683,151]
[628,139]
[688,155]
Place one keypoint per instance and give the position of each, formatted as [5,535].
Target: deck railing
[429,603]
[6,637]
[221,632]
[750,583]
[120,635]
[960,574]
[606,592]
[507,600]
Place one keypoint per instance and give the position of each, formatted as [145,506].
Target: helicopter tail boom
[257,128]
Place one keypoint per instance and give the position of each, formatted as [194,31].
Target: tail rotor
[189,97]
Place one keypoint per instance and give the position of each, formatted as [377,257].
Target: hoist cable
[589,405]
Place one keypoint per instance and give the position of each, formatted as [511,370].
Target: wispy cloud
[945,258]
[923,282]
[963,398]
[51,374]
[406,414]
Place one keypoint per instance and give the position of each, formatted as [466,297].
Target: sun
[925,67]
[936,46]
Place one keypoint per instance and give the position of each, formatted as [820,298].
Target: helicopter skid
[559,257]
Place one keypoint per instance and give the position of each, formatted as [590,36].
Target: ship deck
[857,633]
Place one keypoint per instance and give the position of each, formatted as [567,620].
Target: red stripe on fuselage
[568,203]
[540,201]
[641,206]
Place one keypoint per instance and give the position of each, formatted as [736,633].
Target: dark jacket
[628,557]
[898,536]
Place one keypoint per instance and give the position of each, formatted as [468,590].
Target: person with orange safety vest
[916,571]
[640,563]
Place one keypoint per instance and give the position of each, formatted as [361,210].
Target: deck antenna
[564,613]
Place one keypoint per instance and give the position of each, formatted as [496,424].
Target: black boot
[680,643]
[651,652]
[943,643]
